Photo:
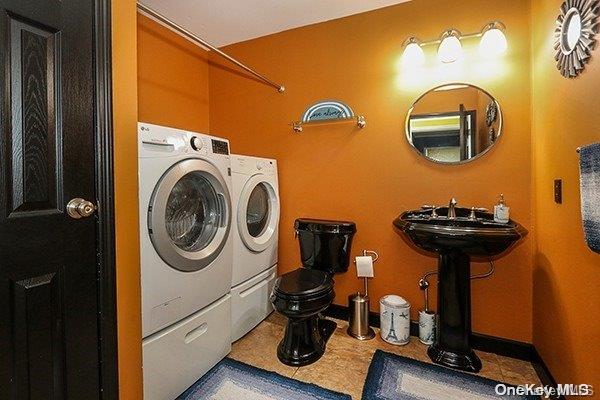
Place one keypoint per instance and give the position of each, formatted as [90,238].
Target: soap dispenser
[501,211]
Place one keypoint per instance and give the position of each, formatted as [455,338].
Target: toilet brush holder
[426,327]
[358,326]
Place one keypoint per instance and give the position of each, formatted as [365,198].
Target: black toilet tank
[325,245]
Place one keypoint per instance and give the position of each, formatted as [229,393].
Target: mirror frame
[572,62]
[412,107]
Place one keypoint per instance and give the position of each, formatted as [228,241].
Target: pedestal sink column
[452,340]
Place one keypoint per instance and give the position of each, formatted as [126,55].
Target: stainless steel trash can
[358,324]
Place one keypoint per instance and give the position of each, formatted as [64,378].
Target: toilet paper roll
[364,266]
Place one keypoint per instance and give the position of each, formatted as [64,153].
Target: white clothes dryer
[255,240]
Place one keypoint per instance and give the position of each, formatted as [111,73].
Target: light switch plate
[558,191]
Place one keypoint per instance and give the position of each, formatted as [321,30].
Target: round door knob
[80,208]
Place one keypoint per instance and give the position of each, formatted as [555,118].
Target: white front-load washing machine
[255,240]
[186,256]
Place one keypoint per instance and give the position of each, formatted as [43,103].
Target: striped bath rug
[232,380]
[393,377]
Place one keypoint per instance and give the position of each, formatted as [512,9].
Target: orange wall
[566,273]
[172,78]
[371,175]
[129,323]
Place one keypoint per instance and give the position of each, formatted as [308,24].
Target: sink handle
[473,216]
[427,207]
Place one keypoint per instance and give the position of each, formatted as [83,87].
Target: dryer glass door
[189,217]
[258,213]
[258,210]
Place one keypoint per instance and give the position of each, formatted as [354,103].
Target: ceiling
[223,22]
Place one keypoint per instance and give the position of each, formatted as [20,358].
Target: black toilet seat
[303,284]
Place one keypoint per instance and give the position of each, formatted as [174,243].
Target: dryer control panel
[251,165]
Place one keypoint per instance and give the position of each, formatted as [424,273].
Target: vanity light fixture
[493,43]
[413,55]
[450,48]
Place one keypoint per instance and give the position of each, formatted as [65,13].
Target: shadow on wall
[545,288]
[172,78]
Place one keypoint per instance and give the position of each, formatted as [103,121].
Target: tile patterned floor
[345,364]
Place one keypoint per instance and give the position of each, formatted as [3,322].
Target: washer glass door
[189,216]
[192,212]
[258,213]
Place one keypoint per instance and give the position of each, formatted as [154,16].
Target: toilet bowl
[303,294]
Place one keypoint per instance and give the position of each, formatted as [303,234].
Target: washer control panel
[196,143]
[159,141]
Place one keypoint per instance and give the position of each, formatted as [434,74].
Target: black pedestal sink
[455,239]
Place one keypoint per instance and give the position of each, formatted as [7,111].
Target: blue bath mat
[232,380]
[392,377]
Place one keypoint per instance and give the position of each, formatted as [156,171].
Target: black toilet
[301,295]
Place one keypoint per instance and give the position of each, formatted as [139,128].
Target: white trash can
[395,319]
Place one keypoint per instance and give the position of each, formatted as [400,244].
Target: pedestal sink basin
[455,235]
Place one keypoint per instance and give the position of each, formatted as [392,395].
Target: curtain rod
[147,10]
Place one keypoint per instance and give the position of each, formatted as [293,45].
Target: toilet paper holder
[375,257]
[374,253]
[358,307]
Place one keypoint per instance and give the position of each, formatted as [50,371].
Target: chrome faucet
[452,209]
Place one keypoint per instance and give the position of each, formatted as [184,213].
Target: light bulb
[493,43]
[450,48]
[413,55]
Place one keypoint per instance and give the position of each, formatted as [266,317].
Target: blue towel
[589,166]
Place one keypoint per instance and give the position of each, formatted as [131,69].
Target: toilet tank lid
[324,226]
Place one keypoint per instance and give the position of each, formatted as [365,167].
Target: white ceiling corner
[223,22]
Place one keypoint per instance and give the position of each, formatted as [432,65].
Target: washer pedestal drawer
[177,356]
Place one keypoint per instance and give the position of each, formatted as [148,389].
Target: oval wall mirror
[454,123]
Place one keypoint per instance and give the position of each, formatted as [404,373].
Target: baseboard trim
[489,344]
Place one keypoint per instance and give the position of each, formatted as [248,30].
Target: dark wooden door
[49,297]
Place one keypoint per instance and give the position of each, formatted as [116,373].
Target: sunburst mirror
[576,28]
